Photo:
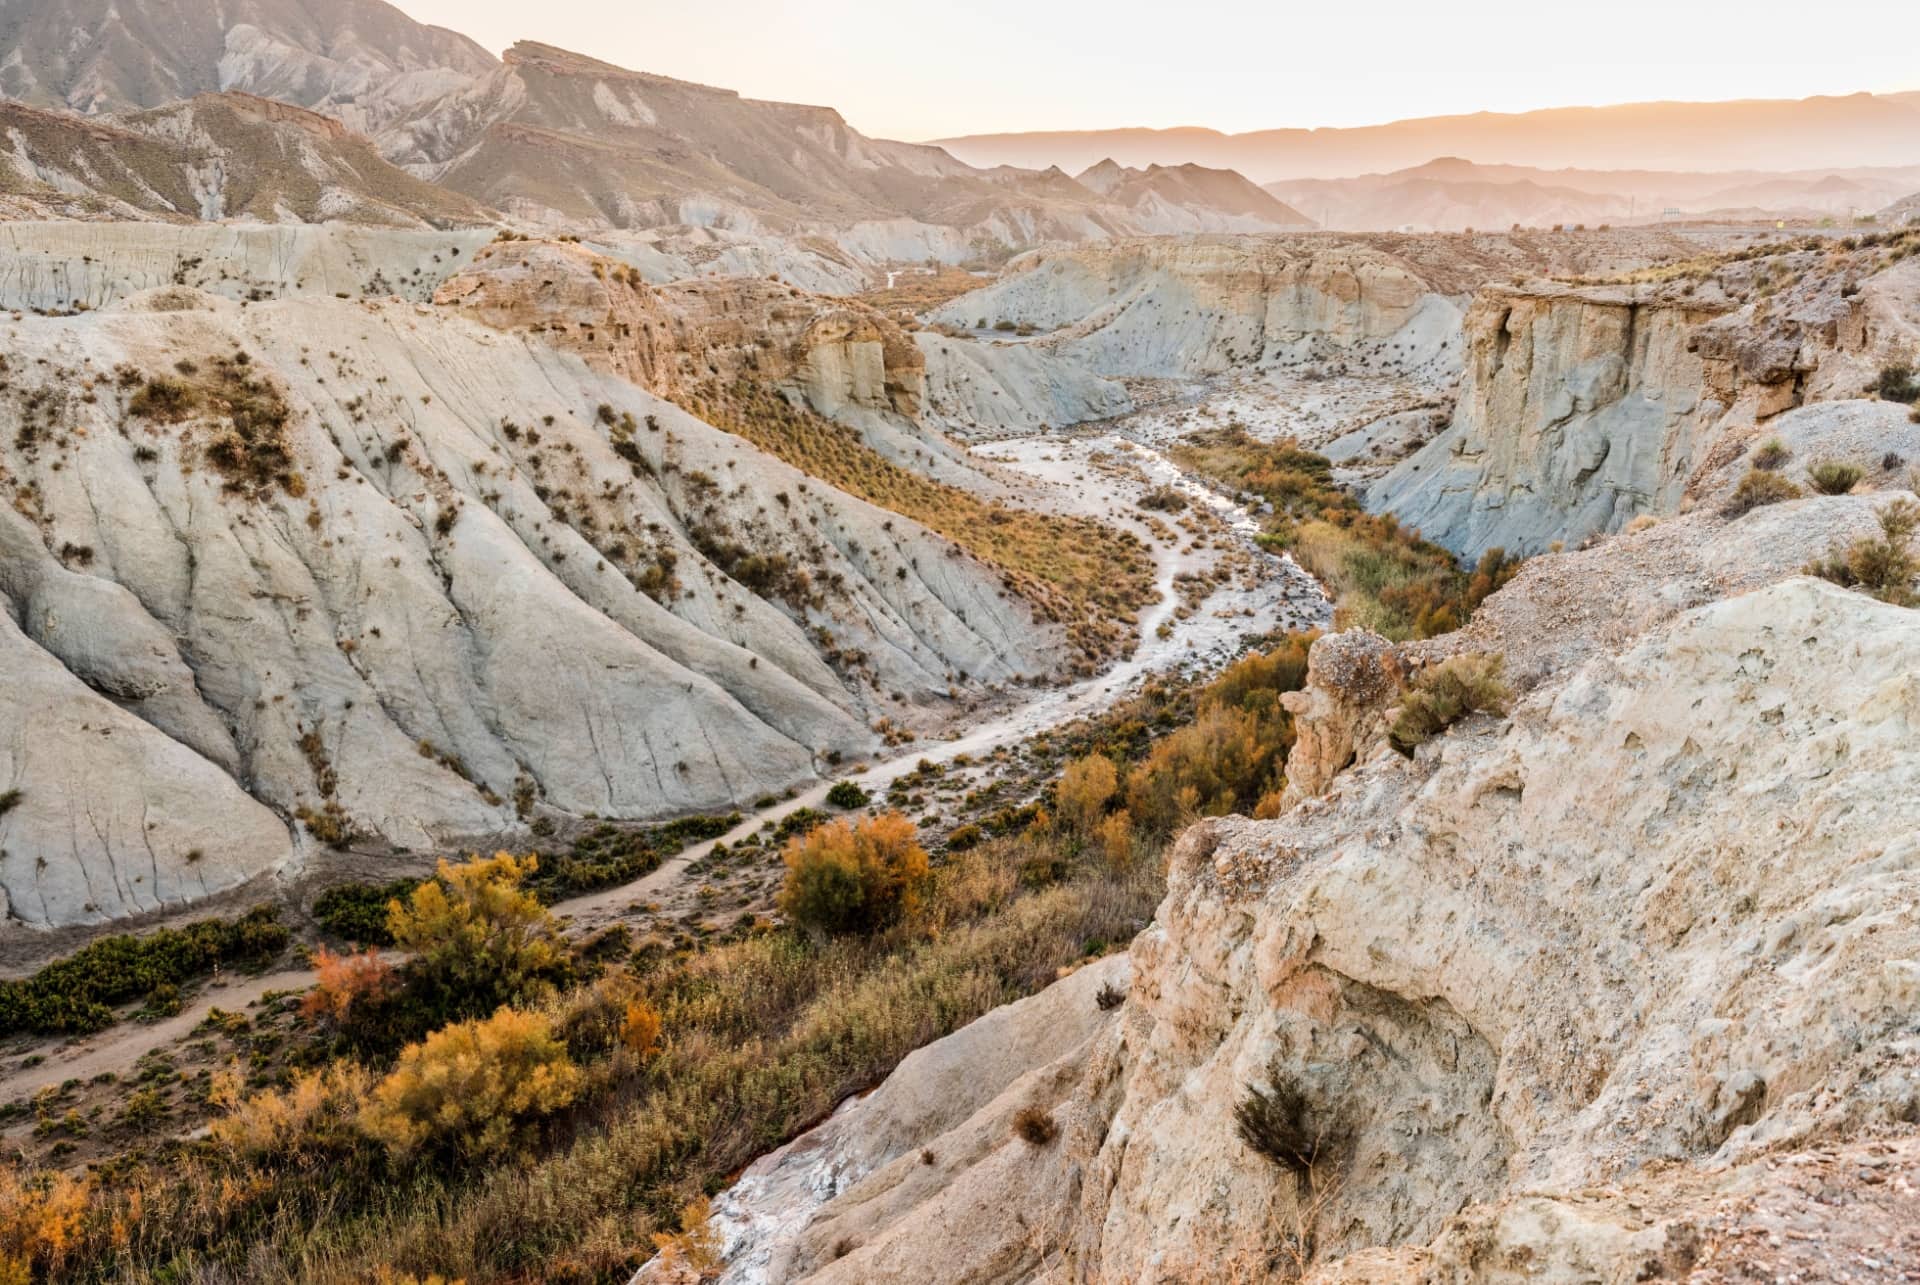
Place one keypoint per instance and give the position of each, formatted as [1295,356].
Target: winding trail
[118,1047]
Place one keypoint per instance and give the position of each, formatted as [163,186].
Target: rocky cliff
[1203,305]
[1622,987]
[1582,407]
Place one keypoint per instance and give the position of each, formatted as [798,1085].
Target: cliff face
[1618,987]
[1582,407]
[1579,408]
[679,338]
[1199,306]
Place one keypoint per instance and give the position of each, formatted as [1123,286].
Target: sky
[919,69]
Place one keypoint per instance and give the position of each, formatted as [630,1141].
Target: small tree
[854,878]
[477,938]
[345,982]
[640,1031]
[470,1086]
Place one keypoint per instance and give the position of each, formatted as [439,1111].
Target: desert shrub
[964,838]
[1163,499]
[610,855]
[346,982]
[846,794]
[316,1111]
[1035,1126]
[40,1220]
[477,938]
[1085,788]
[640,1031]
[1109,998]
[163,398]
[470,1086]
[1232,753]
[78,994]
[1278,1121]
[1758,488]
[9,800]
[1898,383]
[1884,565]
[357,912]
[1833,477]
[1116,838]
[1773,454]
[694,1251]
[1445,694]
[854,878]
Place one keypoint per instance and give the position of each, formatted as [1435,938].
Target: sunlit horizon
[1225,65]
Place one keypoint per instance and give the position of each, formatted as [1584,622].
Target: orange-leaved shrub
[855,878]
[1232,755]
[345,982]
[1084,790]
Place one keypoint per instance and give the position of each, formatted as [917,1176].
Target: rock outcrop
[1583,407]
[1551,994]
[1200,306]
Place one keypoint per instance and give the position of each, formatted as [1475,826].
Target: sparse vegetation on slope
[1089,578]
[79,993]
[1883,565]
[1442,696]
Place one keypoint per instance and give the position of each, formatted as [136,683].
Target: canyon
[409,453]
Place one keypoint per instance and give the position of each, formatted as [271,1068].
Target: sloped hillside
[1621,987]
[213,157]
[360,60]
[405,577]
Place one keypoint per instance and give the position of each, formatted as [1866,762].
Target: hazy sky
[915,69]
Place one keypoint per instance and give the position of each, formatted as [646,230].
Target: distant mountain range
[1450,194]
[191,109]
[1773,135]
[542,135]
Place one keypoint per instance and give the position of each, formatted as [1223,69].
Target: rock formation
[1687,948]
[390,569]
[1582,407]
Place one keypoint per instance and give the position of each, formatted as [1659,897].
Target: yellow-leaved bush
[477,938]
[468,1087]
[855,878]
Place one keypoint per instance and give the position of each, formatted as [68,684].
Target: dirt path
[1290,599]
[120,1046]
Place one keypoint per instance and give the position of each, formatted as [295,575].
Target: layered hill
[359,60]
[212,157]
[1191,198]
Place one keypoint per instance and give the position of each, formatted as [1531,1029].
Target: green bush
[1758,488]
[357,912]
[78,994]
[845,794]
[1773,453]
[1445,694]
[1831,477]
[1897,383]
